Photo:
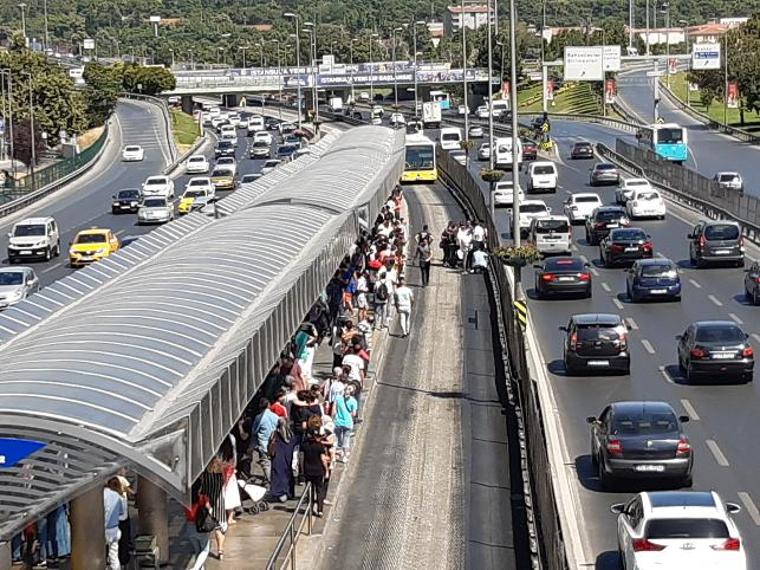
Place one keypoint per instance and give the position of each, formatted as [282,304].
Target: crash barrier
[690,187]
[20,193]
[547,544]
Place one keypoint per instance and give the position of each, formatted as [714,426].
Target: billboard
[705,56]
[550,90]
[583,63]
[732,95]
[88,43]
[610,91]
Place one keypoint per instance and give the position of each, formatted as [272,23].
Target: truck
[336,104]
[431,115]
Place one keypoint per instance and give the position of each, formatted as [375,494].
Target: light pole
[45,14]
[351,65]
[371,70]
[631,18]
[491,158]
[9,91]
[666,9]
[244,49]
[22,5]
[260,45]
[33,159]
[725,79]
[395,77]
[192,63]
[172,52]
[298,61]
[309,29]
[647,18]
[416,101]
[685,24]
[515,156]
[464,74]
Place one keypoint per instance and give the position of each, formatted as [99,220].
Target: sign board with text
[612,58]
[88,43]
[583,63]
[705,56]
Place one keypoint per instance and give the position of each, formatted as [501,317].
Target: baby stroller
[252,497]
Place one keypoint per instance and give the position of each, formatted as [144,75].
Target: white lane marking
[648,346]
[606,287]
[618,304]
[594,272]
[665,375]
[715,300]
[756,337]
[717,453]
[52,267]
[572,246]
[697,285]
[735,318]
[120,232]
[632,324]
[690,411]
[750,506]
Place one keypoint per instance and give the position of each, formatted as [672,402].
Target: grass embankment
[715,111]
[574,98]
[88,138]
[185,130]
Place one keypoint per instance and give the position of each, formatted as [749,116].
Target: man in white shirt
[356,363]
[404,299]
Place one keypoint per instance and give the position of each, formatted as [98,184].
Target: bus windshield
[670,136]
[420,157]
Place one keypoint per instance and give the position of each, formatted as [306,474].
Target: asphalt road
[723,428]
[710,152]
[87,201]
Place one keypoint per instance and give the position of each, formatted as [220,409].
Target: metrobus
[419,159]
[442,98]
[667,140]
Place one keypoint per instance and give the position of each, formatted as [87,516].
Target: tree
[147,80]
[103,85]
[22,141]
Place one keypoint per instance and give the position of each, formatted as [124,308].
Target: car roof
[222,171]
[15,269]
[639,406]
[677,504]
[93,231]
[34,221]
[585,195]
[196,157]
[716,323]
[533,202]
[654,261]
[629,180]
[542,163]
[721,223]
[597,319]
[128,190]
[552,217]
[157,177]
[563,260]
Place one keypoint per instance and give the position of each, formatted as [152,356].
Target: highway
[723,416]
[86,202]
[710,151]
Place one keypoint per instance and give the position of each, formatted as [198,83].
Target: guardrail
[547,545]
[284,554]
[166,115]
[47,180]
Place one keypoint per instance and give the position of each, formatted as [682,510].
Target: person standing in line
[315,463]
[113,510]
[362,288]
[125,525]
[381,297]
[212,486]
[262,427]
[424,255]
[345,412]
[404,302]
[281,450]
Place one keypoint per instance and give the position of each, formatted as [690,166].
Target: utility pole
[631,20]
[515,139]
[491,158]
[371,71]
[10,118]
[395,75]
[33,159]
[666,7]
[656,91]
[22,5]
[725,79]
[647,38]
[464,75]
[47,35]
[298,62]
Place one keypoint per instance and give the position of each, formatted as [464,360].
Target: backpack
[381,292]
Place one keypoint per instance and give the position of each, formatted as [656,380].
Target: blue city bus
[442,98]
[668,140]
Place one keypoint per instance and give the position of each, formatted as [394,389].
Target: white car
[624,192]
[646,204]
[16,284]
[132,153]
[462,110]
[197,164]
[269,166]
[476,132]
[158,186]
[503,194]
[218,121]
[579,207]
[530,209]
[200,183]
[243,123]
[679,530]
[729,181]
[542,177]
[234,120]
[484,151]
[450,138]
[376,121]
[263,136]
[255,124]
[397,120]
[214,112]
[155,210]
[364,96]
[482,112]
[229,136]
[34,238]
[227,161]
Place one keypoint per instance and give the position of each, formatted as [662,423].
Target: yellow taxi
[223,178]
[92,245]
[190,197]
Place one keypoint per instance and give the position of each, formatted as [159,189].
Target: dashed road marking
[648,346]
[715,300]
[735,318]
[690,411]
[665,375]
[52,267]
[618,304]
[632,324]
[594,272]
[697,285]
[750,506]
[755,336]
[717,453]
[606,287]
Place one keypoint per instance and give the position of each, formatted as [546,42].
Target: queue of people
[465,246]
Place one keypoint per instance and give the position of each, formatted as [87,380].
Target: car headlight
[15,296]
[101,251]
[133,204]
[115,204]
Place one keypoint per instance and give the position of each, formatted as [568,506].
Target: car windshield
[636,183]
[220,172]
[154,203]
[128,195]
[582,145]
[196,159]
[564,265]
[608,215]
[260,144]
[155,181]
[198,183]
[194,193]
[271,163]
[597,332]
[224,144]
[450,137]
[226,160]
[728,177]
[670,136]
[668,271]
[644,423]
[543,170]
[90,238]
[629,234]
[647,196]
[686,528]
[552,226]
[532,208]
[504,187]
[11,278]
[587,199]
[719,333]
[29,230]
[132,148]
[721,231]
[419,157]
[605,167]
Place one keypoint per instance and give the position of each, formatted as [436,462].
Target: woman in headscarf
[281,450]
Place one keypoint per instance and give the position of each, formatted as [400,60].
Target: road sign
[89,43]
[705,56]
[583,63]
[612,58]
[521,312]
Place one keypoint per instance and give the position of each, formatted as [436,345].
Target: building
[473,16]
[435,29]
[549,33]
[672,36]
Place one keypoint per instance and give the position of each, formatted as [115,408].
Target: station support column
[88,534]
[5,556]
[153,516]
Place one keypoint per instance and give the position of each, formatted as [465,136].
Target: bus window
[419,157]
[669,136]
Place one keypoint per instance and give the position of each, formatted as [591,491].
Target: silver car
[729,181]
[155,210]
[16,284]
[476,132]
[484,152]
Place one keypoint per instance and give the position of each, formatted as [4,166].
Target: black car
[530,150]
[596,342]
[563,276]
[752,283]
[127,200]
[640,440]
[224,148]
[623,245]
[716,241]
[653,279]
[260,149]
[602,221]
[253,177]
[582,149]
[715,349]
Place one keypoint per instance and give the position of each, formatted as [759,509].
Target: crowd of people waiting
[465,246]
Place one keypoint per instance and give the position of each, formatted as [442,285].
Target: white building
[663,36]
[472,16]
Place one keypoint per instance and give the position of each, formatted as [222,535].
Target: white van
[255,124]
[450,138]
[500,108]
[529,209]
[503,152]
[542,177]
[551,234]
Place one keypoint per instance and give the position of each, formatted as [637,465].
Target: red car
[530,150]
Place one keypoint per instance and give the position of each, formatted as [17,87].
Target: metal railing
[284,554]
[540,501]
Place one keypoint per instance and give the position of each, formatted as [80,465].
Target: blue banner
[12,450]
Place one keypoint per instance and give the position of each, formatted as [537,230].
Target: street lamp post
[491,158]
[515,156]
[371,70]
[22,5]
[244,49]
[298,62]
[192,63]
[309,29]
[666,9]
[172,52]
[395,77]
[685,24]
[464,75]
[33,159]
[351,65]
[416,101]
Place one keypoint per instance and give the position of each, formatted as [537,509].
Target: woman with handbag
[212,486]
